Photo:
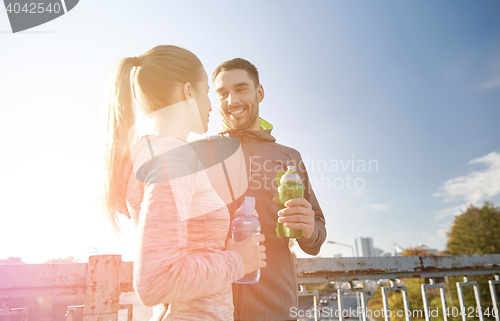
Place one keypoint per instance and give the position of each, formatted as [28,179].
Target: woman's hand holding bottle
[252,253]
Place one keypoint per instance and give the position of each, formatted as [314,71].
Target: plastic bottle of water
[246,224]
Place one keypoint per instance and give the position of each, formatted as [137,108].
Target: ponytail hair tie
[136,61]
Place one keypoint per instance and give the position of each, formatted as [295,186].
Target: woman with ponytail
[155,179]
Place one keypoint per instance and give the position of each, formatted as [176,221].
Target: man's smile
[237,112]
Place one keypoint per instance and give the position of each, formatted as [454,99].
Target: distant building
[397,249]
[377,251]
[364,246]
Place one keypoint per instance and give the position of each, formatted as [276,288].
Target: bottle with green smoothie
[290,187]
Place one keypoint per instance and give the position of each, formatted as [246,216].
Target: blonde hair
[158,72]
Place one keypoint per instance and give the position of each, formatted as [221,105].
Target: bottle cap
[249,205]
[247,208]
[290,176]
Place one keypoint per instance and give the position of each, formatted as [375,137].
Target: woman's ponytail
[120,117]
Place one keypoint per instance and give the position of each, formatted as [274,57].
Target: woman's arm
[163,272]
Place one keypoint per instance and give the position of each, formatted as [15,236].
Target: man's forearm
[312,245]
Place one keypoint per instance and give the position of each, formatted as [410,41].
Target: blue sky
[413,86]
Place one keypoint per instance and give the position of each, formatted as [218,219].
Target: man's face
[238,99]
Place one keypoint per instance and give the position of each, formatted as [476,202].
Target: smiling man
[239,94]
[239,97]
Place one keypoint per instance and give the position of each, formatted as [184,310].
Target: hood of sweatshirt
[263,134]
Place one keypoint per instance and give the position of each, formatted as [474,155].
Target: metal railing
[101,281]
[352,270]
[105,277]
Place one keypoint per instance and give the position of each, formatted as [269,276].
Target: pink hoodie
[182,226]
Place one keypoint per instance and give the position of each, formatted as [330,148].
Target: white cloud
[381,207]
[452,211]
[474,186]
[489,84]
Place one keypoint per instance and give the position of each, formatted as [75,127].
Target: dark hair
[238,63]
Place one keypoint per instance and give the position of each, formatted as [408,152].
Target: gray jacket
[277,291]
